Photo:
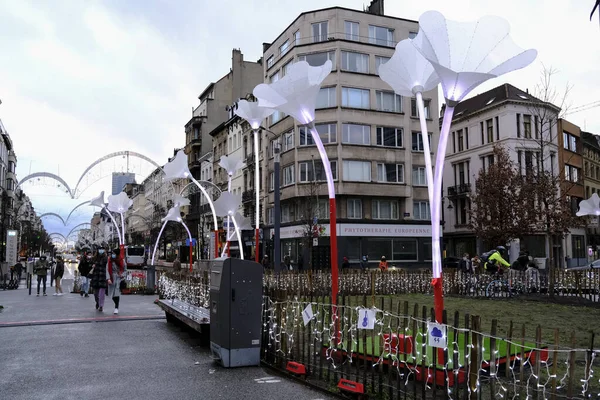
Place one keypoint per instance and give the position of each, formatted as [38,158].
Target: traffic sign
[194,242]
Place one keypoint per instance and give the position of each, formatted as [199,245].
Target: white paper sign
[436,334]
[307,314]
[366,318]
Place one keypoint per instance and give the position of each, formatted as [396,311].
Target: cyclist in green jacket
[495,259]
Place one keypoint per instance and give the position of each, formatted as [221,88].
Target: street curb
[81,321]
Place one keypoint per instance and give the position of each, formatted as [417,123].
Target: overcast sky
[82,79]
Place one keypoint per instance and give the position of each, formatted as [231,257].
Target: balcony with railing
[248,196]
[459,190]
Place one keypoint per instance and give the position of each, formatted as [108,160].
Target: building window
[571,173]
[319,32]
[412,34]
[421,210]
[306,138]
[297,38]
[327,132]
[288,175]
[417,141]
[527,126]
[354,208]
[380,60]
[460,137]
[388,101]
[270,61]
[318,59]
[271,181]
[270,216]
[390,137]
[489,124]
[356,134]
[284,48]
[322,209]
[578,244]
[391,173]
[381,36]
[288,140]
[414,110]
[311,171]
[287,213]
[569,142]
[355,62]
[384,209]
[326,98]
[352,32]
[419,176]
[355,98]
[359,171]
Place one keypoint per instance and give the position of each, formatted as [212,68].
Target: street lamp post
[277,209]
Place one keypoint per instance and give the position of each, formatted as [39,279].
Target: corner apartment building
[591,181]
[371,135]
[241,79]
[8,182]
[506,115]
[570,163]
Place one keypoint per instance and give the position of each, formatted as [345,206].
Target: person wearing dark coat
[84,270]
[115,273]
[59,271]
[99,283]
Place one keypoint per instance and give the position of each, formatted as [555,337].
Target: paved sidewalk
[62,348]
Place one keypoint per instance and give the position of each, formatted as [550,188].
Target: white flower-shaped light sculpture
[590,206]
[178,168]
[243,223]
[296,94]
[226,206]
[98,201]
[120,203]
[180,201]
[174,214]
[464,55]
[409,73]
[231,164]
[254,114]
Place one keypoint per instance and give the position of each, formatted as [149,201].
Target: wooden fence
[394,360]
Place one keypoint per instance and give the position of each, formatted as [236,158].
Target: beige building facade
[371,135]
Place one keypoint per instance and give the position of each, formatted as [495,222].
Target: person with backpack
[493,260]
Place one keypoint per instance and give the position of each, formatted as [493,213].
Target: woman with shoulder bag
[99,281]
[115,272]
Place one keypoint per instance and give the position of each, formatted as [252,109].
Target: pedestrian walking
[41,270]
[287,262]
[177,265]
[364,263]
[383,264]
[115,272]
[265,262]
[84,269]
[98,274]
[59,271]
[19,269]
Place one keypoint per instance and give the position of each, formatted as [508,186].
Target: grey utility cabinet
[236,311]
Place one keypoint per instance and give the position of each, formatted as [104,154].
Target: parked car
[451,262]
[594,265]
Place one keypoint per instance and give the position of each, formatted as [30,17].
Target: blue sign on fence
[187,242]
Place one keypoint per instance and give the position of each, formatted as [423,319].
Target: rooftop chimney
[376,7]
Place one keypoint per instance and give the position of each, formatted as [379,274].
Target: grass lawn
[566,318]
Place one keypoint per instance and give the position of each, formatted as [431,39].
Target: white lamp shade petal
[98,201]
[296,93]
[173,215]
[119,203]
[483,47]
[590,206]
[231,164]
[243,223]
[408,69]
[177,167]
[180,201]
[227,204]
[252,112]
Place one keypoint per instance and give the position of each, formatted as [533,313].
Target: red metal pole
[191,257]
[334,261]
[216,243]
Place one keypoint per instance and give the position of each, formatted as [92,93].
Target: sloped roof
[590,139]
[491,98]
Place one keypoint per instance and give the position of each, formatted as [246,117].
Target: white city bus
[135,256]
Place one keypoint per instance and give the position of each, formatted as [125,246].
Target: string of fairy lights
[286,332]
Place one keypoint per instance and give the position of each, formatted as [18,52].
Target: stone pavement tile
[127,360]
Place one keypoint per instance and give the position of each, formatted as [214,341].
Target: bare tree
[499,208]
[312,209]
